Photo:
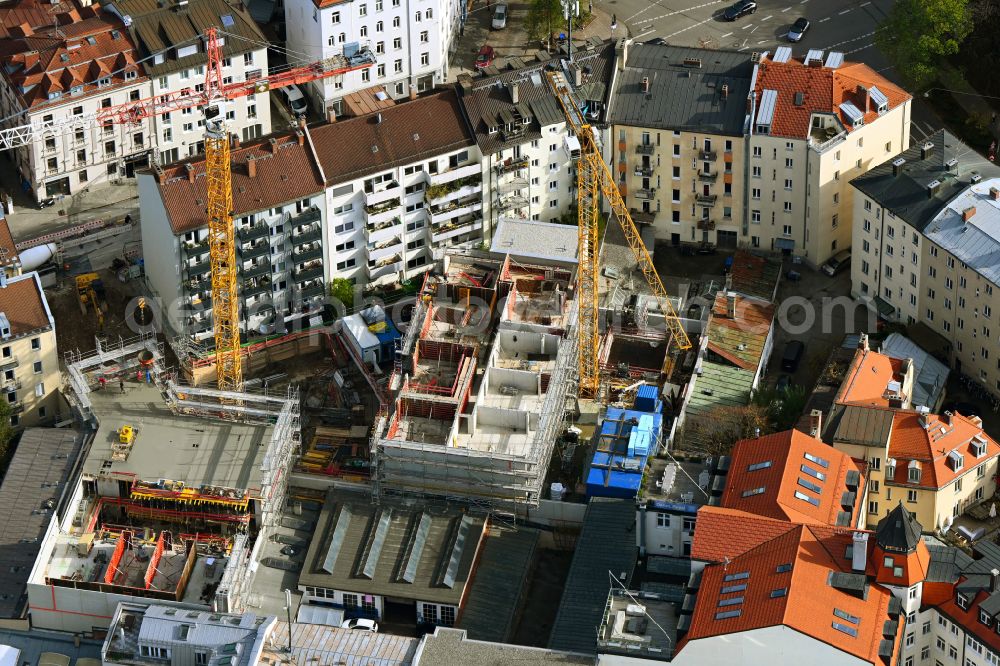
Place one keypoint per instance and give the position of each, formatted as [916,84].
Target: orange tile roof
[8,250]
[775,490]
[810,555]
[968,618]
[867,379]
[823,91]
[929,446]
[914,566]
[740,341]
[23,301]
[722,533]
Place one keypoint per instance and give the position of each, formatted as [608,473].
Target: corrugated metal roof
[682,96]
[867,426]
[606,544]
[976,243]
[782,54]
[834,59]
[318,644]
[765,113]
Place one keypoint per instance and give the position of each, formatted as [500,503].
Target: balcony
[382,212]
[388,266]
[706,199]
[644,172]
[200,324]
[455,209]
[200,300]
[456,173]
[708,176]
[308,216]
[383,230]
[308,272]
[707,155]
[510,164]
[312,251]
[512,202]
[197,268]
[456,189]
[195,247]
[256,270]
[645,194]
[383,192]
[456,228]
[645,149]
[706,225]
[252,233]
[261,285]
[514,185]
[313,289]
[10,385]
[307,234]
[258,249]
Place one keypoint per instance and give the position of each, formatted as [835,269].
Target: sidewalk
[111,202]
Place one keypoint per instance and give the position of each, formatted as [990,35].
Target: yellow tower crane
[594,178]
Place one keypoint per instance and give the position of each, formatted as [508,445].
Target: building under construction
[179,490]
[480,384]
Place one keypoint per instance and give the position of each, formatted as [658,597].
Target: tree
[343,290]
[544,17]
[6,431]
[715,431]
[918,33]
[783,407]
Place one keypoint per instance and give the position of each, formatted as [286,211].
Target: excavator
[91,294]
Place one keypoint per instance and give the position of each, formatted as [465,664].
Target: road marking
[673,13]
[786,9]
[864,4]
[726,35]
[843,12]
[860,48]
[823,19]
[673,34]
[854,39]
[766,18]
[763,41]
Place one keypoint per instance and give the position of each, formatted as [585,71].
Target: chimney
[926,150]
[968,213]
[577,77]
[816,424]
[863,342]
[274,145]
[300,137]
[190,172]
[234,141]
[994,580]
[251,166]
[621,53]
[725,91]
[731,305]
[933,186]
[515,94]
[897,166]
[378,118]
[946,418]
[995,194]
[301,122]
[645,84]
[859,553]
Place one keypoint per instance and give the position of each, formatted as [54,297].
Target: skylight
[802,496]
[816,459]
[782,568]
[729,589]
[810,485]
[227,21]
[728,614]
[753,491]
[813,473]
[843,628]
[732,601]
[780,592]
[844,615]
[761,465]
[736,576]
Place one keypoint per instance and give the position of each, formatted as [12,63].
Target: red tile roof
[285,172]
[867,379]
[823,91]
[77,48]
[800,561]
[722,533]
[8,251]
[929,439]
[23,302]
[782,475]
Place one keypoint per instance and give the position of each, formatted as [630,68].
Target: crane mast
[594,178]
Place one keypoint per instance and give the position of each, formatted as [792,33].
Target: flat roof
[422,554]
[536,240]
[316,643]
[38,474]
[197,451]
[36,642]
[685,89]
[453,646]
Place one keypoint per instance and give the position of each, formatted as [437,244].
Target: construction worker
[121,385]
[102,381]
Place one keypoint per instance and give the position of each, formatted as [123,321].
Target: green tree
[544,18]
[918,33]
[343,290]
[6,431]
[783,407]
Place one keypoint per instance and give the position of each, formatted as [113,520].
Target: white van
[296,100]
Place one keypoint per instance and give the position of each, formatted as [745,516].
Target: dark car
[793,354]
[657,41]
[485,57]
[741,8]
[798,29]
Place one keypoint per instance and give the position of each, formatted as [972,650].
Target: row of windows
[418,16]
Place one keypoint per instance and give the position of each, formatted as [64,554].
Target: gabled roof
[929,440]
[722,532]
[740,341]
[754,276]
[23,302]
[789,580]
[822,90]
[867,379]
[867,426]
[792,476]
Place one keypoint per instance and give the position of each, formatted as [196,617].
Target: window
[424,38]
[395,20]
[397,66]
[37,367]
[362,10]
[788,206]
[248,58]
[379,26]
[350,600]
[788,163]
[873,508]
[335,17]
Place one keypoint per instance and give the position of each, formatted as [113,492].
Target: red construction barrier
[116,557]
[154,561]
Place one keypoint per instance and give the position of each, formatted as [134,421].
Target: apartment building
[169,37]
[678,118]
[29,359]
[894,204]
[63,66]
[410,40]
[816,123]
[528,155]
[374,199]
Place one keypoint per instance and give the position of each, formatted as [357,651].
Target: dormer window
[961,601]
[130,75]
[956,460]
[985,618]
[890,468]
[104,82]
[978,446]
[493,129]
[888,562]
[913,472]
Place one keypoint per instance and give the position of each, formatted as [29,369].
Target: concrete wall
[771,645]
[162,267]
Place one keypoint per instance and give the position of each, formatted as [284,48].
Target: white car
[499,18]
[360,623]
[296,100]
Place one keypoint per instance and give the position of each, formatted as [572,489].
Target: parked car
[793,275]
[296,100]
[499,18]
[798,29]
[837,263]
[361,624]
[793,354]
[485,57]
[657,41]
[740,9]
